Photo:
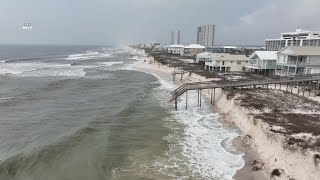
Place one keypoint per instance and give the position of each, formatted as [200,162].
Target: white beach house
[224,62]
[176,49]
[263,62]
[193,50]
[298,60]
[204,57]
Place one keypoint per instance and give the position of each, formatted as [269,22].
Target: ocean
[85,113]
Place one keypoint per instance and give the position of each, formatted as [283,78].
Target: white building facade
[263,62]
[175,37]
[224,62]
[298,38]
[204,57]
[193,49]
[205,35]
[176,49]
[298,60]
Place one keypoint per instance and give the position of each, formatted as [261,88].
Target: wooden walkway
[177,72]
[303,83]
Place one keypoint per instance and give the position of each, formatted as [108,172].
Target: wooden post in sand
[310,87]
[304,87]
[200,97]
[211,101]
[214,96]
[176,104]
[186,100]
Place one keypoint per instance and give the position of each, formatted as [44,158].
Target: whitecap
[112,63]
[88,55]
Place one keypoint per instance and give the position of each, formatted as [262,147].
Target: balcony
[263,65]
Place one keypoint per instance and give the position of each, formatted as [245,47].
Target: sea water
[84,112]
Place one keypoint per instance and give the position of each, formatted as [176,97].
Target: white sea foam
[40,69]
[50,69]
[196,142]
[88,55]
[112,63]
[7,98]
[202,142]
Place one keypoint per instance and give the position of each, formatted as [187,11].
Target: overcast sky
[116,22]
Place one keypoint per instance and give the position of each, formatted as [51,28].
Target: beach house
[204,57]
[263,62]
[298,60]
[176,49]
[224,62]
[193,49]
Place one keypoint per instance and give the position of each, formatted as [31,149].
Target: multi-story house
[224,62]
[298,60]
[176,49]
[263,62]
[192,50]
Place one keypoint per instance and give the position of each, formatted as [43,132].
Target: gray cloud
[274,17]
[125,21]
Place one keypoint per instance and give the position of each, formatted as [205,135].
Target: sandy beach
[164,72]
[266,152]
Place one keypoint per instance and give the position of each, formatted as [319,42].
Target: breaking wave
[88,55]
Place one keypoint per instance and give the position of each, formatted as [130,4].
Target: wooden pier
[307,83]
[178,72]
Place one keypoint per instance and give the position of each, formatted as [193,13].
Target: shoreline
[249,156]
[274,148]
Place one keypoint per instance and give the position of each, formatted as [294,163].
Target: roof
[300,31]
[195,46]
[176,46]
[205,54]
[301,50]
[230,47]
[265,55]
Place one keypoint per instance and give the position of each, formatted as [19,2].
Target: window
[308,60]
[303,34]
[239,62]
[231,61]
[247,61]
[222,62]
[309,70]
[286,35]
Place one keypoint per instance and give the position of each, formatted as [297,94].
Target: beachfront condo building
[175,37]
[298,60]
[192,50]
[263,62]
[223,62]
[298,38]
[205,35]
